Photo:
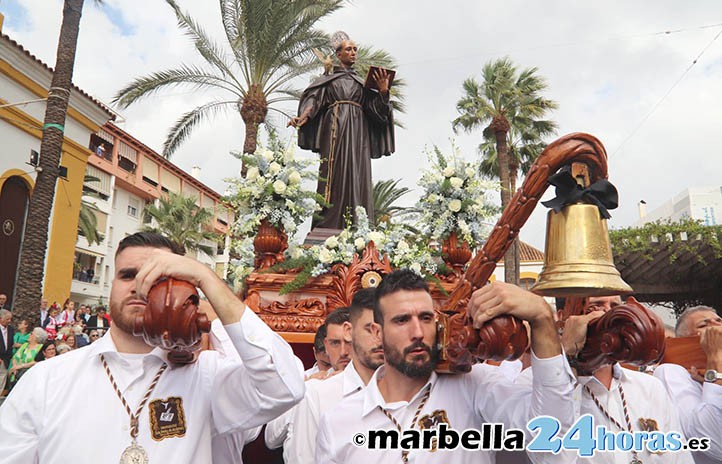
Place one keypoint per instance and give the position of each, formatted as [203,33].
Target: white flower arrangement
[273,190]
[401,246]
[454,199]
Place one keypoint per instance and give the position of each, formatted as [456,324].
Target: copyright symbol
[359,439]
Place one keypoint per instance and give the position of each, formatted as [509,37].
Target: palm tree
[180,219]
[35,240]
[505,101]
[386,193]
[87,220]
[269,44]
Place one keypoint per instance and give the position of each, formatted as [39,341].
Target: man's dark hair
[402,279]
[148,239]
[362,300]
[318,339]
[338,317]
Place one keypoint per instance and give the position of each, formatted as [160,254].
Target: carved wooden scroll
[463,346]
[628,333]
[171,319]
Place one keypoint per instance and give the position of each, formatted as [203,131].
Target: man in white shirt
[367,355]
[322,364]
[6,345]
[699,406]
[185,404]
[279,432]
[406,393]
[43,312]
[620,399]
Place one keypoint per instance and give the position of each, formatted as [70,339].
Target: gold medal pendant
[134,454]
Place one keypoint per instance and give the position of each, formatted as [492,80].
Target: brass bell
[578,255]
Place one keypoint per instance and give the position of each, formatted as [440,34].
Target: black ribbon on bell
[601,193]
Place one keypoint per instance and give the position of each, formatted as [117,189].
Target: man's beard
[365,357]
[411,369]
[123,320]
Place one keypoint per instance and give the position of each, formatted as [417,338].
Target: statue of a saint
[348,124]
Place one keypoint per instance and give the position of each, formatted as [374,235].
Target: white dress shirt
[217,395]
[228,448]
[468,400]
[699,408]
[320,397]
[311,370]
[646,398]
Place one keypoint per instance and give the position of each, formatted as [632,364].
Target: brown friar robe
[348,125]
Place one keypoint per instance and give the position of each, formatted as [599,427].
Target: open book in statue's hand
[371,81]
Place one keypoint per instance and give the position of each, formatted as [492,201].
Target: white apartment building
[698,203]
[131,175]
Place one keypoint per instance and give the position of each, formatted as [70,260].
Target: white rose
[402,246]
[279,187]
[456,182]
[274,168]
[325,256]
[469,172]
[359,243]
[331,242]
[416,267]
[297,253]
[376,237]
[294,178]
[252,173]
[267,154]
[455,206]
[448,171]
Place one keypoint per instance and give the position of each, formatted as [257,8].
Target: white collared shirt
[320,397]
[311,370]
[699,408]
[216,393]
[646,398]
[466,400]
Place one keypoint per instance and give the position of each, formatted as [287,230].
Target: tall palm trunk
[254,109]
[513,173]
[500,127]
[35,240]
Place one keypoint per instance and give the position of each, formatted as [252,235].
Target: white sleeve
[497,399]
[699,415]
[264,386]
[277,429]
[324,443]
[305,426]
[20,417]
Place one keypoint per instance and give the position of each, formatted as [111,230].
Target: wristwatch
[712,375]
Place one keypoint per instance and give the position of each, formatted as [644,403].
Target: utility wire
[656,105]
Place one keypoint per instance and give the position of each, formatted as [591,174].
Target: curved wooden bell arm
[462,344]
[628,333]
[685,351]
[172,321]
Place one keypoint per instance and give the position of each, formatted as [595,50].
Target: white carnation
[455,206]
[376,237]
[331,242]
[402,246]
[274,168]
[359,243]
[448,171]
[252,173]
[294,178]
[325,256]
[433,198]
[456,182]
[267,154]
[279,187]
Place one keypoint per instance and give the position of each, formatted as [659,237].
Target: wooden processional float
[578,263]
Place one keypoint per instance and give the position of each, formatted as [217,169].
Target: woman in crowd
[21,336]
[62,348]
[46,352]
[79,319]
[67,315]
[24,358]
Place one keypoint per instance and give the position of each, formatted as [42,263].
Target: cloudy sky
[620,70]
